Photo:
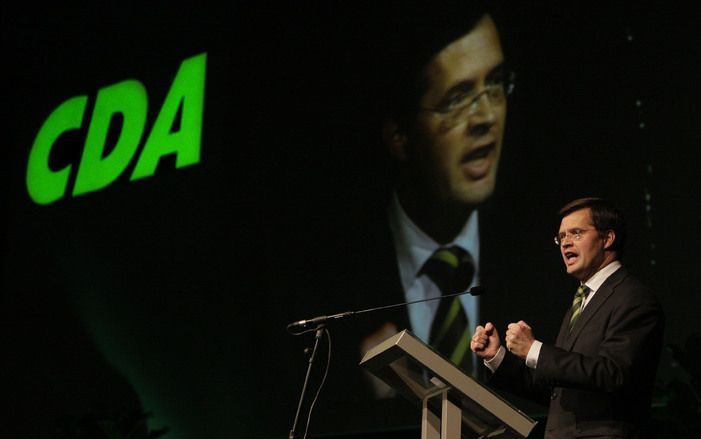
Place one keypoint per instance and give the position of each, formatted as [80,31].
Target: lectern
[454,405]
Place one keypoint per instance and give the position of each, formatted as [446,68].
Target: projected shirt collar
[414,247]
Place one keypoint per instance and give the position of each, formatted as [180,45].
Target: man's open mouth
[479,153]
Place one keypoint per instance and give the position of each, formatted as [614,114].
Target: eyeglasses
[574,234]
[461,106]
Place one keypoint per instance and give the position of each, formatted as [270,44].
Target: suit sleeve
[611,349]
[513,376]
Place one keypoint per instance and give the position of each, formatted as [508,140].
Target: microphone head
[477,290]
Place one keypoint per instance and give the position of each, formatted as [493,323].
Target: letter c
[44,184]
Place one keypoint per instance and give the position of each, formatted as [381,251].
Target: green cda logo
[128,98]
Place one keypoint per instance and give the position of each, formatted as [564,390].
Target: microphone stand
[318,324]
[312,356]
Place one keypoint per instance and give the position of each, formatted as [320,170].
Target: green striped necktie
[451,269]
[582,293]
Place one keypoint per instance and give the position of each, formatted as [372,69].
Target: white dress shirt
[593,283]
[413,248]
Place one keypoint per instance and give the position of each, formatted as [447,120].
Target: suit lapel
[601,296]
[564,330]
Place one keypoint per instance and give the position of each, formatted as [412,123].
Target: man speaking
[598,375]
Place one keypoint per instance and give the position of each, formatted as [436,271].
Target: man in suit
[599,372]
[444,129]
[444,105]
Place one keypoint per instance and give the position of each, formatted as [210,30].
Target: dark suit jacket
[599,377]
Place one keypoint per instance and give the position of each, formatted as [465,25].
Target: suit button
[553,395]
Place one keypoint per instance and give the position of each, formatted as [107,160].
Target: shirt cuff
[533,354]
[494,362]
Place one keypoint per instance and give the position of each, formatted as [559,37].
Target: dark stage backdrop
[164,298]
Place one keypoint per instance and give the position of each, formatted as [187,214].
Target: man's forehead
[577,218]
[472,54]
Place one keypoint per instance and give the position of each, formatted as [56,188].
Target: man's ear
[395,140]
[609,239]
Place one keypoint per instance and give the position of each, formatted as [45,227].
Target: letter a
[187,91]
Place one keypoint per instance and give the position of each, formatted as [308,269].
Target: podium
[453,404]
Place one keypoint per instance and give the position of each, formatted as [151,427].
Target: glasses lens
[510,83]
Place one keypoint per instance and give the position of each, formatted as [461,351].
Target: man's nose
[482,115]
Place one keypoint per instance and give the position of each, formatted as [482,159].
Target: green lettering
[187,93]
[96,172]
[44,184]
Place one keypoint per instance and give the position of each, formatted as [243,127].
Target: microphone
[316,321]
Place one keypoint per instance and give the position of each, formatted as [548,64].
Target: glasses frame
[471,104]
[574,235]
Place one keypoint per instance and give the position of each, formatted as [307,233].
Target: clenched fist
[519,338]
[485,343]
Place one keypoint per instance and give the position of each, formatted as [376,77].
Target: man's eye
[457,100]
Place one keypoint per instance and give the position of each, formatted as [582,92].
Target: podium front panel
[419,373]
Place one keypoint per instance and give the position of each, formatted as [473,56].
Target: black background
[175,290]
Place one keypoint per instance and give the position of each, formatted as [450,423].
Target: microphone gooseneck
[312,323]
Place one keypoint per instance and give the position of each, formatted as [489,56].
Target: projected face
[454,152]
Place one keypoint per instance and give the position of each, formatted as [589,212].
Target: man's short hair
[604,216]
[413,34]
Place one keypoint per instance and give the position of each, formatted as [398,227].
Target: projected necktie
[451,269]
[579,297]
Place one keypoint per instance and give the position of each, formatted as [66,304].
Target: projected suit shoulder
[447,154]
[446,145]
[443,128]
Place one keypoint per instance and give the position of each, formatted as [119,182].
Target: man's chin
[476,194]
[575,272]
